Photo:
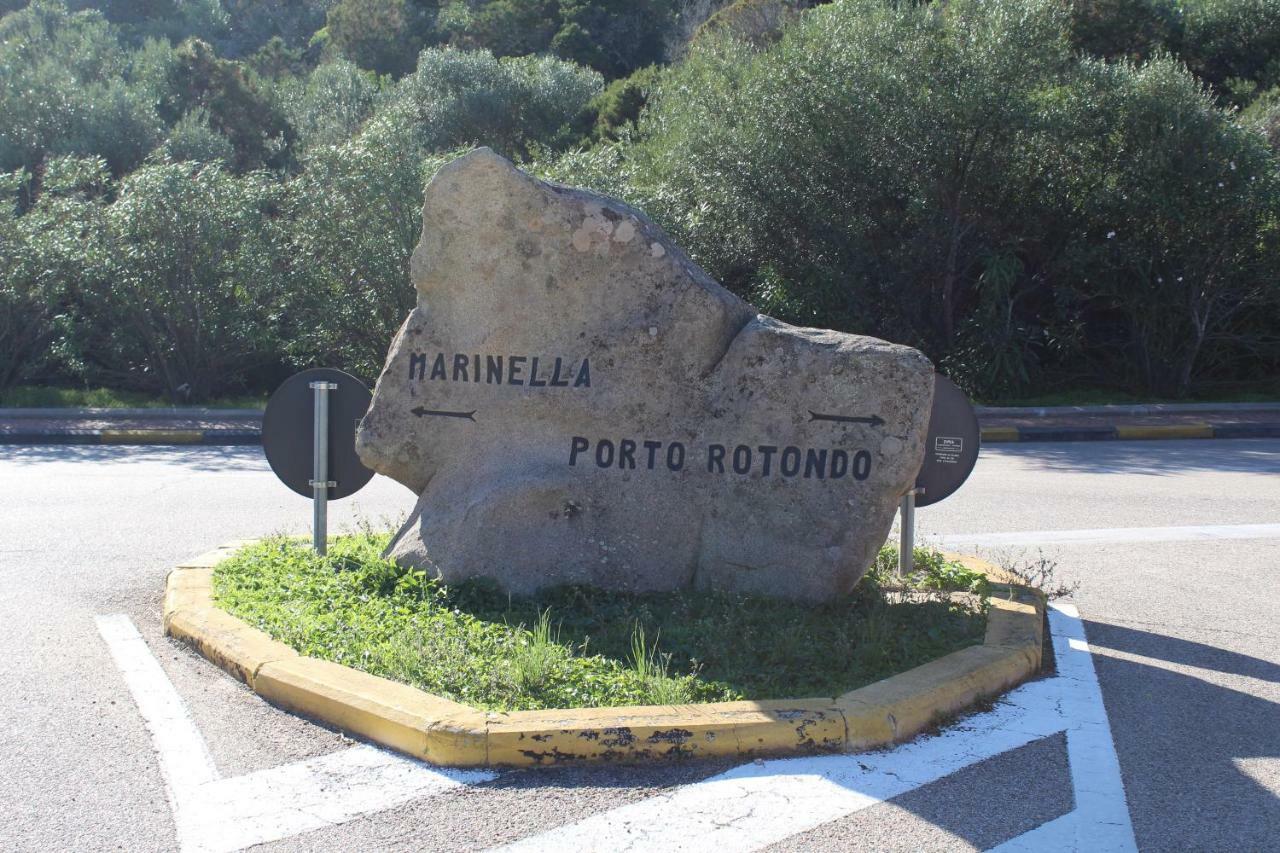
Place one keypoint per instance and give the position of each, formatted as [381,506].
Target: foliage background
[199,196]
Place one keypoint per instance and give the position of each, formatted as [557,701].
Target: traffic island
[450,733]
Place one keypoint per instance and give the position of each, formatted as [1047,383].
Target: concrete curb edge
[451,734]
[1152,432]
[159,437]
[221,436]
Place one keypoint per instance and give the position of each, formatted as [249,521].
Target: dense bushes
[460,97]
[64,90]
[197,273]
[380,35]
[184,290]
[1038,193]
[960,179]
[615,37]
[355,215]
[38,255]
[1233,45]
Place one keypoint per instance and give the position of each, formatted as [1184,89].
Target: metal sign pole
[907,529]
[320,482]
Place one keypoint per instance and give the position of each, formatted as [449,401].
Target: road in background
[1185,629]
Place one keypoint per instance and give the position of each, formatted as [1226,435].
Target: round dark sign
[288,431]
[951,448]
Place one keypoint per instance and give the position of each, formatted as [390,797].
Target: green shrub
[1126,29]
[61,91]
[193,139]
[41,254]
[1234,45]
[616,110]
[1263,115]
[958,179]
[353,217]
[1179,220]
[383,36]
[614,37]
[461,98]
[237,107]
[330,105]
[180,292]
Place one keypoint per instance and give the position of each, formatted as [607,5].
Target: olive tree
[330,104]
[354,214]
[958,178]
[1179,231]
[183,297]
[858,172]
[458,98]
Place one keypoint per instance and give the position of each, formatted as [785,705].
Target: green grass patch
[49,397]
[582,647]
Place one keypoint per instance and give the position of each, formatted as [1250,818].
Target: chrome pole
[320,482]
[907,533]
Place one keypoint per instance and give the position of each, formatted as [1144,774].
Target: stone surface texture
[665,437]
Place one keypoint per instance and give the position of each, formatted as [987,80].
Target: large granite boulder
[577,402]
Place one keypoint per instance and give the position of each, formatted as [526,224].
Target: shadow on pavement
[1247,455]
[1179,651]
[1181,739]
[187,457]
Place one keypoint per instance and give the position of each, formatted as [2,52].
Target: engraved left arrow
[873,420]
[423,412]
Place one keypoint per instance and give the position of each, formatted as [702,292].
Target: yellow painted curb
[642,733]
[1165,431]
[1000,434]
[448,733]
[902,707]
[151,436]
[386,712]
[190,615]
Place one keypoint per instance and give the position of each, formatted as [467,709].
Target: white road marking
[755,805]
[1102,820]
[1193,533]
[216,815]
[184,756]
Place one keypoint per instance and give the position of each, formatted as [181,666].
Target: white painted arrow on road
[217,815]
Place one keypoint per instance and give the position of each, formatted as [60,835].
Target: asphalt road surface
[1175,547]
